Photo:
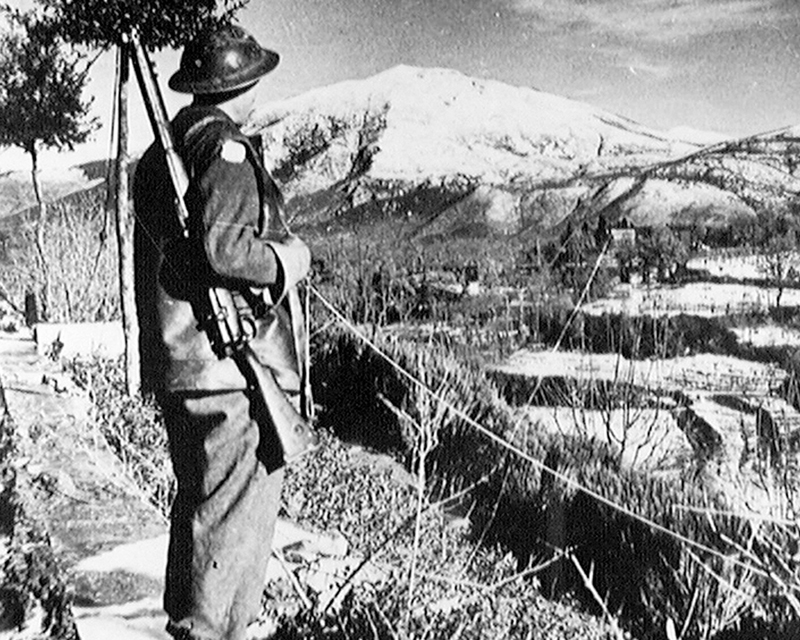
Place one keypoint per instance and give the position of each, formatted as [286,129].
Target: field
[507,457]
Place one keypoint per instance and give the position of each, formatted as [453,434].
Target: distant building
[623,235]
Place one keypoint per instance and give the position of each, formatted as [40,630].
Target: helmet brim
[184,82]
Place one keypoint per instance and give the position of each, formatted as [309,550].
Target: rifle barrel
[157,113]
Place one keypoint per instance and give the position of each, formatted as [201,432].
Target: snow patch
[697,136]
[704,299]
[144,557]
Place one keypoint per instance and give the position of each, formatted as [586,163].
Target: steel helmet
[220,60]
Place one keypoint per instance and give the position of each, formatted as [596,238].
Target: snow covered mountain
[459,155]
[437,143]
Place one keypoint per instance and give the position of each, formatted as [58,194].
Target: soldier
[224,453]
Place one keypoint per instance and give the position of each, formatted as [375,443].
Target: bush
[133,428]
[646,575]
[74,276]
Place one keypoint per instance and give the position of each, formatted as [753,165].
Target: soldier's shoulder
[213,135]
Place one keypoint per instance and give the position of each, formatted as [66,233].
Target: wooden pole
[124,228]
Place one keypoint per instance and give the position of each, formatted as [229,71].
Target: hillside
[16,188]
[456,155]
[438,145]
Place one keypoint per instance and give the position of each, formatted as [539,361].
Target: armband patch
[233,151]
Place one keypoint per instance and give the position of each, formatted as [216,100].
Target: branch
[589,584]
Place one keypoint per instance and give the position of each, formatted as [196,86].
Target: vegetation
[530,534]
[103,24]
[41,105]
[776,238]
[41,85]
[560,541]
[133,428]
[84,288]
[31,575]
[484,525]
[642,565]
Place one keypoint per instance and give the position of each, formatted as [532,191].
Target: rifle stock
[294,434]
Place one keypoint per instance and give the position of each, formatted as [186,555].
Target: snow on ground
[140,620]
[705,371]
[767,335]
[105,339]
[655,439]
[646,439]
[143,557]
[738,267]
[705,299]
[442,123]
[697,136]
[327,561]
[710,299]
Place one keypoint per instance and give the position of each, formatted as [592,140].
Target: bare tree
[776,237]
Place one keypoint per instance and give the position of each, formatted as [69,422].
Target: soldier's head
[221,65]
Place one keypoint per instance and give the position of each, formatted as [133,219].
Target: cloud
[650,20]
[646,63]
[641,67]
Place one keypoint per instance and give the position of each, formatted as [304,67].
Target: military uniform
[225,456]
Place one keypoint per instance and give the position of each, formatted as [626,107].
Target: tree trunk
[124,228]
[41,223]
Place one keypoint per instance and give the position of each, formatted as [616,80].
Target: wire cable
[510,447]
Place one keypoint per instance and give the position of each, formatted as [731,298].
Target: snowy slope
[412,137]
[439,123]
[436,143]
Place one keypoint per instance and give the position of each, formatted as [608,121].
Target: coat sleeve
[229,198]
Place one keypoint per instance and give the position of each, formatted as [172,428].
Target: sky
[724,66]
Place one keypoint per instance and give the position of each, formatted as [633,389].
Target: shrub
[646,574]
[132,426]
[74,278]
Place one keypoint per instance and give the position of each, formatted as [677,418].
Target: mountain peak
[437,123]
[431,140]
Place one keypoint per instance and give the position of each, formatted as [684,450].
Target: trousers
[223,516]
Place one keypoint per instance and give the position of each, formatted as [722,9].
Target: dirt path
[108,545]
[72,489]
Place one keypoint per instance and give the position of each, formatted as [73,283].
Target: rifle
[231,339]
